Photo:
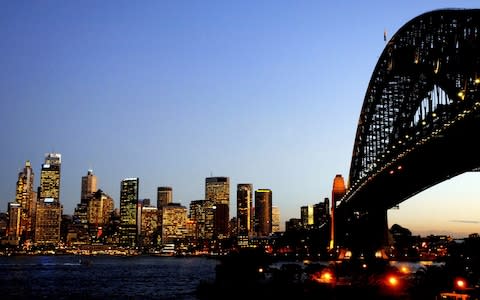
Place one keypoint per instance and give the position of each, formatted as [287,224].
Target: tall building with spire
[49,210]
[263,212]
[128,211]
[26,197]
[244,208]
[217,189]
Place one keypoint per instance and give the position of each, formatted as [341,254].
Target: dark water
[104,277]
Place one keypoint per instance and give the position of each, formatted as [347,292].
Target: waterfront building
[14,223]
[263,212]
[164,197]
[244,208]
[174,223]
[27,198]
[306,214]
[48,209]
[217,189]
[128,211]
[149,225]
[275,219]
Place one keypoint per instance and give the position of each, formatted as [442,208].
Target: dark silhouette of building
[244,208]
[128,211]
[263,212]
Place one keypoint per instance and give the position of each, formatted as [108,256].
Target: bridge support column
[368,234]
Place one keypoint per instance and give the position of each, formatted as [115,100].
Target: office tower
[321,213]
[149,224]
[275,219]
[338,191]
[48,214]
[202,213]
[128,211]
[306,214]
[217,189]
[174,222]
[244,208]
[15,217]
[99,210]
[263,212]
[27,198]
[89,186]
[164,196]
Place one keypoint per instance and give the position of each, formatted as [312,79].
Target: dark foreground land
[252,275]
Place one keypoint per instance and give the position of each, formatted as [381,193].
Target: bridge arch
[421,108]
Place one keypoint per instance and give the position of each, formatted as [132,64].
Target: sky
[172,92]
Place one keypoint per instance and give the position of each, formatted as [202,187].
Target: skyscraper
[13,229]
[306,214]
[99,209]
[263,212]
[49,210]
[275,219]
[164,196]
[321,213]
[217,189]
[128,211]
[244,208]
[26,197]
[202,213]
[89,186]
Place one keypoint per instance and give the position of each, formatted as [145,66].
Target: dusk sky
[264,92]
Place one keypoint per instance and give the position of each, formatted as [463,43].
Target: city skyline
[171,93]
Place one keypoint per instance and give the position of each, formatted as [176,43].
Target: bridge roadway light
[461,95]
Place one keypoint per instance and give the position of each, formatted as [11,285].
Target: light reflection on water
[65,277]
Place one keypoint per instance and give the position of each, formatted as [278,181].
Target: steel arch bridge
[423,100]
[420,120]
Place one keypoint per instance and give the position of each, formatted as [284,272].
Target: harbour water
[103,277]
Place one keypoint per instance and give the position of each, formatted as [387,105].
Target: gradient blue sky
[265,92]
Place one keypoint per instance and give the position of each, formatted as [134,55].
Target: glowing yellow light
[404,269]
[434,115]
[260,270]
[461,95]
[326,277]
[461,283]
[477,80]
[364,266]
[392,280]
